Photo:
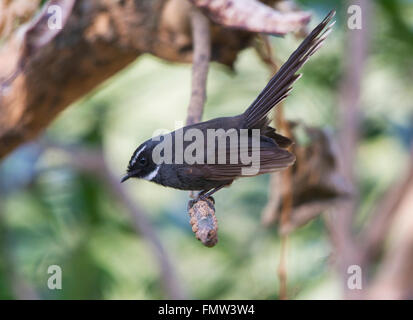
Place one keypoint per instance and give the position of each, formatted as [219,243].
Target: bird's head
[141,164]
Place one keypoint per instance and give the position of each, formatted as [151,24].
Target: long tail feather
[281,83]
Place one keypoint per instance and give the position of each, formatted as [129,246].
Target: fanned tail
[281,83]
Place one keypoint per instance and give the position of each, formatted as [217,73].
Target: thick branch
[341,224]
[253,16]
[100,38]
[302,214]
[376,230]
[394,279]
[204,222]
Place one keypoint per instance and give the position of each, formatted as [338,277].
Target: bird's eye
[142,161]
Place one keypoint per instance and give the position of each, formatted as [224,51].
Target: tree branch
[204,222]
[393,279]
[376,230]
[93,162]
[202,54]
[98,40]
[253,16]
[341,223]
[202,212]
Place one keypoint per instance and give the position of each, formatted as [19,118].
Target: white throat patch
[151,175]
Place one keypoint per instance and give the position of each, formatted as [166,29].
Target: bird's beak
[126,177]
[130,174]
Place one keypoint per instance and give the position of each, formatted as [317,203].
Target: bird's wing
[281,83]
[270,158]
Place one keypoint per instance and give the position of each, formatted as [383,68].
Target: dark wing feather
[270,132]
[279,86]
[272,158]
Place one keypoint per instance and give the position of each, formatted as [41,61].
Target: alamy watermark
[355,280]
[354,21]
[54,282]
[55,20]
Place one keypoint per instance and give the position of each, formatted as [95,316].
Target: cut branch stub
[203,220]
[253,16]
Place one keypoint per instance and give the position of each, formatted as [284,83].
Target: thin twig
[202,213]
[201,57]
[170,281]
[341,224]
[270,214]
[287,204]
[286,207]
[283,179]
[282,269]
[93,161]
[376,230]
[304,213]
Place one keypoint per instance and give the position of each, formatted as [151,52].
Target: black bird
[210,176]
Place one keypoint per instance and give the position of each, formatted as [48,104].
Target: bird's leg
[205,194]
[202,195]
[211,192]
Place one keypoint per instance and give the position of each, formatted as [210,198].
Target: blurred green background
[53,214]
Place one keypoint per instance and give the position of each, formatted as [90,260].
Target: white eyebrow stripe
[152,174]
[137,155]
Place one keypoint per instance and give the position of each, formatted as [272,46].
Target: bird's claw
[203,197]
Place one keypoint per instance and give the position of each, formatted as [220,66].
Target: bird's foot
[202,196]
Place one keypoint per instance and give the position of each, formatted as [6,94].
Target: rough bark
[253,16]
[38,79]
